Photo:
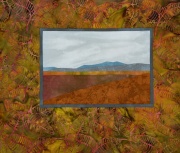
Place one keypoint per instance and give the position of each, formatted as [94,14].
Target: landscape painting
[89,67]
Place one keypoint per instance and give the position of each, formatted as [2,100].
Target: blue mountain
[105,64]
[49,68]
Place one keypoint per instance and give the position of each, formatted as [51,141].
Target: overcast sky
[72,49]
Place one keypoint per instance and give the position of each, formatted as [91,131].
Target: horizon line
[92,64]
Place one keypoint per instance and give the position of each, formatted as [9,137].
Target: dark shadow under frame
[151,104]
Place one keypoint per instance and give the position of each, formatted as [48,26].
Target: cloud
[71,49]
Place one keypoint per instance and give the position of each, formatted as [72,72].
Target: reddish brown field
[56,85]
[102,89]
[96,73]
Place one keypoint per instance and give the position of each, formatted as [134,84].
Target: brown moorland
[56,85]
[134,90]
[59,83]
[47,73]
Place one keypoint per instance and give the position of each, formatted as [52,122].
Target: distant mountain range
[106,66]
[49,68]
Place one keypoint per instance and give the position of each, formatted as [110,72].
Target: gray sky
[71,49]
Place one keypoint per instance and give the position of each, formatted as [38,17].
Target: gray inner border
[151,104]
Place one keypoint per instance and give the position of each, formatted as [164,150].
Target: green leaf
[116,19]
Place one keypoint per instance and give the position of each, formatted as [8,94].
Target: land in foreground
[119,89]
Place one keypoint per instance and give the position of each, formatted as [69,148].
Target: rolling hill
[133,90]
